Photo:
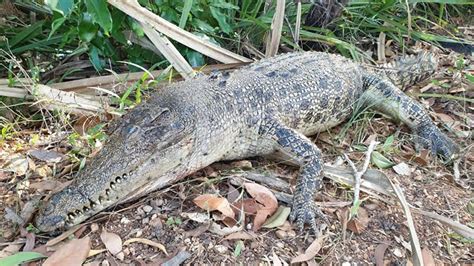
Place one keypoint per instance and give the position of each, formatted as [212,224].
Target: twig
[414,241]
[358,174]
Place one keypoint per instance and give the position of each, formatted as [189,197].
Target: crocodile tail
[408,70]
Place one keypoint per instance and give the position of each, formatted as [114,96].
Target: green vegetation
[100,33]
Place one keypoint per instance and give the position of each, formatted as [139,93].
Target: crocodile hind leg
[383,96]
[304,153]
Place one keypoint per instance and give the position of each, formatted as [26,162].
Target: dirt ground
[166,217]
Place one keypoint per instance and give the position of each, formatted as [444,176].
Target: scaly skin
[267,107]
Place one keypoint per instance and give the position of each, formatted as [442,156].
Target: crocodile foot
[432,138]
[306,213]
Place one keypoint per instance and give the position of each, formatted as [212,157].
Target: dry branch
[169,51]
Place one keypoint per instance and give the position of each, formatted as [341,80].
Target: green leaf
[194,58]
[186,10]
[100,14]
[470,77]
[87,29]
[224,5]
[451,2]
[57,23]
[137,28]
[94,57]
[381,161]
[388,143]
[221,19]
[26,34]
[238,248]
[62,6]
[21,257]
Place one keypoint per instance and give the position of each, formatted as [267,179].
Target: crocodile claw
[306,213]
[439,144]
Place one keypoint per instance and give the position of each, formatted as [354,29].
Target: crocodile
[268,107]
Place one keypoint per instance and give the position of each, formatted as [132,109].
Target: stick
[358,174]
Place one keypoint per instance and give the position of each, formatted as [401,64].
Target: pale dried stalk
[414,241]
[298,22]
[169,51]
[358,174]
[275,29]
[143,15]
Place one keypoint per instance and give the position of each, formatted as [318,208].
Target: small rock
[139,233]
[281,234]
[221,248]
[346,263]
[156,223]
[147,208]
[397,252]
[291,233]
[280,245]
[402,169]
[145,220]
[124,220]
[105,263]
[94,227]
[126,251]
[244,164]
[159,202]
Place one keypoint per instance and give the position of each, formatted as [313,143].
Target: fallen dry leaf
[427,255]
[264,196]
[310,252]
[17,163]
[94,252]
[278,218]
[249,206]
[359,224]
[112,242]
[48,156]
[211,202]
[242,235]
[146,242]
[10,250]
[275,259]
[75,252]
[380,253]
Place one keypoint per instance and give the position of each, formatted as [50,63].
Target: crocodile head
[144,152]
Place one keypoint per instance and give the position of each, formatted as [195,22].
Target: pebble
[221,248]
[124,220]
[244,164]
[105,263]
[280,245]
[397,252]
[140,212]
[145,220]
[346,263]
[281,234]
[147,208]
[139,233]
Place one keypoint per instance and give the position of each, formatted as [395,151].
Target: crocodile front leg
[307,155]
